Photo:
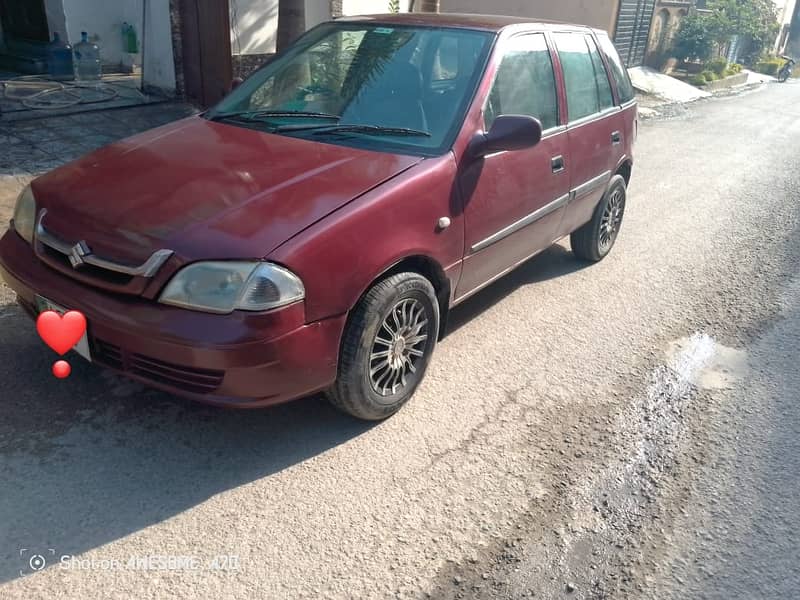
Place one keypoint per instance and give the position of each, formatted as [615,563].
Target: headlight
[222,287]
[25,214]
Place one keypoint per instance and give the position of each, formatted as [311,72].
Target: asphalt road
[623,430]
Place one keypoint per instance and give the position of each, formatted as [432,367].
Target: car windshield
[393,88]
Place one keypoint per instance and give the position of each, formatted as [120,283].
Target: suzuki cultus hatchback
[312,231]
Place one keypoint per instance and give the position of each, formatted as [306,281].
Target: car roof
[467,21]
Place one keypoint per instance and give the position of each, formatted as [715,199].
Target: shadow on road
[93,458]
[554,262]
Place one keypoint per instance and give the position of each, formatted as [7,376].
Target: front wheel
[386,347]
[594,240]
[783,75]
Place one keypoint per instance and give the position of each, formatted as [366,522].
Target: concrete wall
[158,69]
[595,13]
[785,10]
[56,20]
[370,7]
[663,29]
[254,24]
[317,11]
[102,20]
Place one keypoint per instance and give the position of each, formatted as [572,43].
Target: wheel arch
[625,168]
[428,268]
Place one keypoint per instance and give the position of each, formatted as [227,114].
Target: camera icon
[36,561]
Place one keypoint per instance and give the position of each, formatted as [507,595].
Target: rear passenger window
[525,83]
[579,75]
[618,71]
[604,94]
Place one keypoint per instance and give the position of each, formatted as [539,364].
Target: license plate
[82,347]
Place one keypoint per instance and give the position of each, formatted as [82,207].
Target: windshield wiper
[254,115]
[376,129]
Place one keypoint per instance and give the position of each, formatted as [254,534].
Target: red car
[312,231]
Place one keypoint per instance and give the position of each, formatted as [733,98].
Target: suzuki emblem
[77,253]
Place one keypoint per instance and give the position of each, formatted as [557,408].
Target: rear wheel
[387,345]
[595,239]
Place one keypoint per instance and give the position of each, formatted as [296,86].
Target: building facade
[666,22]
[627,21]
[27,26]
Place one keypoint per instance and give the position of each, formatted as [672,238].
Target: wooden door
[206,46]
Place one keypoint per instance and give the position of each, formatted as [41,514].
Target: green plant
[709,75]
[394,6]
[718,65]
[769,65]
[698,79]
[732,69]
[701,35]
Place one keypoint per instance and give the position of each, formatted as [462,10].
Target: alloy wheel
[399,347]
[612,219]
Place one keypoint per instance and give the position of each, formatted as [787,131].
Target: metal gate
[633,30]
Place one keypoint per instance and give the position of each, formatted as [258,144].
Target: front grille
[76,259]
[200,381]
[188,378]
[110,277]
[107,354]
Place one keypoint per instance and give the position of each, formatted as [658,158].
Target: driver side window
[525,83]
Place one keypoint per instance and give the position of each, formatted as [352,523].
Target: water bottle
[87,59]
[59,59]
[130,42]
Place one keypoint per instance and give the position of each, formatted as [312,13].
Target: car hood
[204,190]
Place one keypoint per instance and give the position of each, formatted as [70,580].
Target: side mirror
[508,132]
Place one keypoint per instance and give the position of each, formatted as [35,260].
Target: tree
[754,21]
[695,38]
[291,22]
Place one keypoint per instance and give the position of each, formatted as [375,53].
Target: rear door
[625,94]
[595,129]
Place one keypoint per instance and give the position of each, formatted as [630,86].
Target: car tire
[594,240]
[386,347]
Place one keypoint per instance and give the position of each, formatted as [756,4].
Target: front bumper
[242,359]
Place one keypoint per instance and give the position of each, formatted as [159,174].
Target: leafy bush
[718,65]
[734,68]
[698,79]
[769,65]
[709,75]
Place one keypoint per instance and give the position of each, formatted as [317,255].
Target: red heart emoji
[61,333]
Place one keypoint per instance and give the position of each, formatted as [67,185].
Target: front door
[513,201]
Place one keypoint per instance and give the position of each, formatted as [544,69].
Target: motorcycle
[786,70]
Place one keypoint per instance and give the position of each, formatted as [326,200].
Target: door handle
[557,164]
[616,137]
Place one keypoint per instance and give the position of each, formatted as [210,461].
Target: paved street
[623,430]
